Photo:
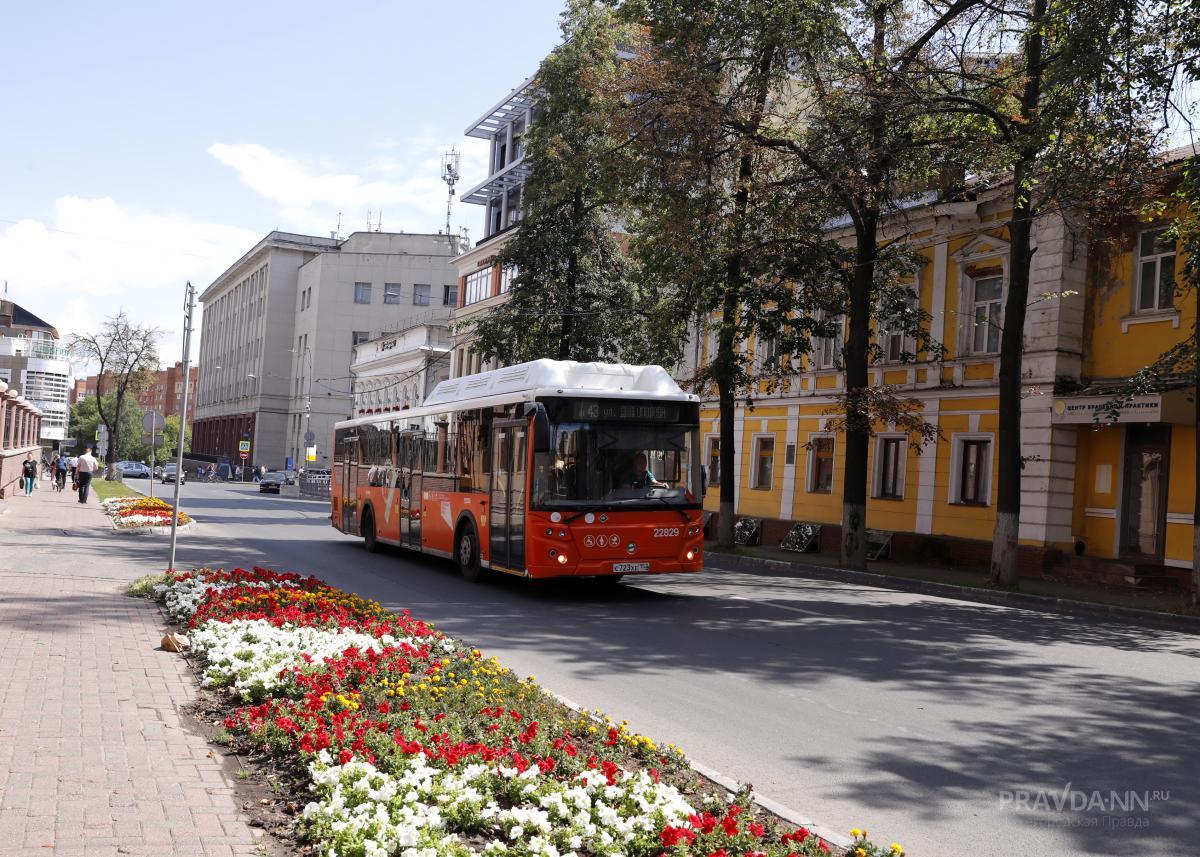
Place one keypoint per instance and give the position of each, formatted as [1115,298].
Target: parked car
[133,470]
[271,482]
[158,471]
[169,472]
[289,477]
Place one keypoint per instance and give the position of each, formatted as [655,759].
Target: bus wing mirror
[703,480]
[541,426]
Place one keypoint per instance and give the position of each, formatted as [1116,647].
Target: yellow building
[1103,502]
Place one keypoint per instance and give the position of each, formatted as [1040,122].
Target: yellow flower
[896,849]
[856,833]
[859,852]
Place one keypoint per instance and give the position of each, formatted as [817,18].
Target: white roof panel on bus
[526,381]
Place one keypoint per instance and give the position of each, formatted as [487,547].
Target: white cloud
[405,185]
[96,257]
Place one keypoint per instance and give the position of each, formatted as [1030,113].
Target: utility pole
[189,303]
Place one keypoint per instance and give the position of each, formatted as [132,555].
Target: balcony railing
[45,349]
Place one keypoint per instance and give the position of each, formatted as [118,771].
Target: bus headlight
[562,559]
[691,555]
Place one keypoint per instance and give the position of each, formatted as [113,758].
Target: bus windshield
[596,465]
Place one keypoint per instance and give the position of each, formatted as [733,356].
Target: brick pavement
[95,758]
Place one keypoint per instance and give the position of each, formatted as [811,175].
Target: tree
[740,253]
[124,353]
[1074,118]
[170,438]
[85,419]
[575,296]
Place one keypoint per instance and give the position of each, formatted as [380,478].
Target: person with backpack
[29,472]
[61,465]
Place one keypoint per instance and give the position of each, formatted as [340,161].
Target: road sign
[310,453]
[155,440]
[243,455]
[153,421]
[309,437]
[243,447]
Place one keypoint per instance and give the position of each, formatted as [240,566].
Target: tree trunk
[572,281]
[858,429]
[1012,338]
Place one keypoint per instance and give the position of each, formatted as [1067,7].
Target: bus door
[350,483]
[507,516]
[412,447]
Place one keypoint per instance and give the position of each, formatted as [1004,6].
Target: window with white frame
[507,274]
[391,293]
[421,294]
[820,464]
[895,339]
[889,467]
[767,354]
[827,350]
[714,460]
[971,470]
[362,293]
[1156,271]
[986,311]
[764,462]
[479,286]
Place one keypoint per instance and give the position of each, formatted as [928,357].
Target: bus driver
[640,476]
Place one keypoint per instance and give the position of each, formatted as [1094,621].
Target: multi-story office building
[482,281]
[396,371]
[280,326]
[34,362]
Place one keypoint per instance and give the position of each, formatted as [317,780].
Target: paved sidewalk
[95,758]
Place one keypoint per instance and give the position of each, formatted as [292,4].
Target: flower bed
[130,513]
[418,745]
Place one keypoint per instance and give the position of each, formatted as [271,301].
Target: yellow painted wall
[1181,492]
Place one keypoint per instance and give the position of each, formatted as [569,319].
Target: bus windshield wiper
[581,513]
[682,513]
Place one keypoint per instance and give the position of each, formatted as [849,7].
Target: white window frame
[908,343]
[956,448]
[827,350]
[901,466]
[810,464]
[392,292]
[754,450]
[507,274]
[973,304]
[1156,258]
[368,289]
[478,286]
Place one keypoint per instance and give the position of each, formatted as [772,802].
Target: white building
[280,326]
[398,370]
[34,362]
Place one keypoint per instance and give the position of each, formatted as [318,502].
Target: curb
[152,531]
[732,786]
[1020,600]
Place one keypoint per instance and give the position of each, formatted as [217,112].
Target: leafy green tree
[170,436]
[575,295]
[85,420]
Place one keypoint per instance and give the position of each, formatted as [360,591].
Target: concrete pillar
[3,418]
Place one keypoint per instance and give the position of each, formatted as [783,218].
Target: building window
[449,295]
[420,295]
[764,462]
[986,313]
[358,337]
[974,460]
[714,461]
[827,351]
[889,468]
[478,286]
[507,274]
[895,343]
[1156,271]
[391,293]
[362,293]
[820,464]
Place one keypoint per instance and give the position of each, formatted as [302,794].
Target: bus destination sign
[617,410]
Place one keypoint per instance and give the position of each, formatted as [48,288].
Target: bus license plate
[630,567]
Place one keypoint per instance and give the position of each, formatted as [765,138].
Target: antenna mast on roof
[451,172]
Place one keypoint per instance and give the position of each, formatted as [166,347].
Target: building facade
[398,370]
[280,326]
[162,392]
[34,362]
[482,281]
[1103,501]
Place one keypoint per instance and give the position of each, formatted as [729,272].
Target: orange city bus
[543,469]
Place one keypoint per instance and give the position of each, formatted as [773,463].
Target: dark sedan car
[271,482]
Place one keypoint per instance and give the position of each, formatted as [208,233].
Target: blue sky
[144,144]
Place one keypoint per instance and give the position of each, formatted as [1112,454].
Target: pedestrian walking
[61,465]
[85,466]
[238,472]
[29,472]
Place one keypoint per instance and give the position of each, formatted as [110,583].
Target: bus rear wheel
[467,554]
[370,537]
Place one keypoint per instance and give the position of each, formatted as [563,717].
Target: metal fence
[315,486]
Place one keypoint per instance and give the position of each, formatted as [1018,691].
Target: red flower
[757,829]
[672,836]
[730,824]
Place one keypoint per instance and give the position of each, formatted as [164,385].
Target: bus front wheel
[370,538]
[468,554]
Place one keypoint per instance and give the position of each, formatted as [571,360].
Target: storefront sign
[1093,409]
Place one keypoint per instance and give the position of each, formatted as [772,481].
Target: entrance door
[350,484]
[507,517]
[412,447]
[1144,507]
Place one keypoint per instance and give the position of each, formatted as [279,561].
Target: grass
[143,587]
[105,489]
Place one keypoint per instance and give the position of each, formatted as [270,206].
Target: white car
[169,472]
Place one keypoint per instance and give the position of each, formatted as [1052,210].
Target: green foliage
[85,419]
[143,587]
[576,295]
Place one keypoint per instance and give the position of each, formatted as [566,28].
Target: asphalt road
[922,719]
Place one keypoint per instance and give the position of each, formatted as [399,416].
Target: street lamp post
[189,304]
